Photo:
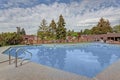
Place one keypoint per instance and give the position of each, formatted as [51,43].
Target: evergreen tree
[61,30]
[52,28]
[69,33]
[42,31]
[43,26]
[23,31]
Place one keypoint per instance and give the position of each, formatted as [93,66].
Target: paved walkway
[2,56]
[32,71]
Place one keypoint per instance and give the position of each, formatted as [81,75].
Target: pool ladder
[16,56]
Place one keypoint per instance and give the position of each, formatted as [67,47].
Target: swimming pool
[87,59]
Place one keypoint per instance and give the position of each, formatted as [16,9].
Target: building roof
[102,35]
[112,35]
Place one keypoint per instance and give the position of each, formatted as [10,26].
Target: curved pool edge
[112,72]
[38,72]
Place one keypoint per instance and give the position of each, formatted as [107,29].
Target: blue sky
[78,14]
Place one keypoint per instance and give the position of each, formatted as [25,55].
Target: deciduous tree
[102,27]
[116,28]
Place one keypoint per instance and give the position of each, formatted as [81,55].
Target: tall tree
[52,28]
[61,30]
[43,28]
[102,27]
[23,31]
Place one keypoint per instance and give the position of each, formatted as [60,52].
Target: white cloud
[77,15]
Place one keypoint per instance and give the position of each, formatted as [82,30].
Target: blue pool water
[86,59]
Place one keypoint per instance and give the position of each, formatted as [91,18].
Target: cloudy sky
[78,14]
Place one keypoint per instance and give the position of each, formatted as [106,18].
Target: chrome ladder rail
[16,56]
[25,51]
[8,53]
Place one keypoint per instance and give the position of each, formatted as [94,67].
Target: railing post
[9,58]
[16,59]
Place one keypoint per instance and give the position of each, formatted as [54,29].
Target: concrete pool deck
[33,71]
[3,57]
[111,73]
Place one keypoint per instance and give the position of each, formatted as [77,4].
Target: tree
[23,31]
[61,30]
[10,38]
[42,31]
[52,29]
[18,30]
[69,33]
[102,27]
[87,31]
[43,26]
[53,26]
[81,32]
[72,33]
[95,30]
[116,28]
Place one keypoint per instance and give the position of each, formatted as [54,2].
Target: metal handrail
[25,51]
[10,49]
[10,54]
[16,55]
